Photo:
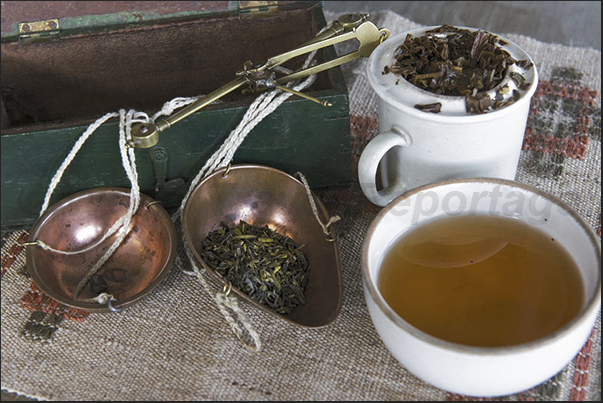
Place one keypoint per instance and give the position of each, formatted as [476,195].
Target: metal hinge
[37,31]
[163,187]
[257,9]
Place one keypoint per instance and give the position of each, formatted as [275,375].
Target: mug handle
[369,162]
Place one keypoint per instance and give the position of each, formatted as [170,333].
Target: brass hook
[32,243]
[225,173]
[111,307]
[333,238]
[226,289]
[149,204]
[301,94]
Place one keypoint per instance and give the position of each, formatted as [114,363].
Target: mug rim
[449,119]
[591,305]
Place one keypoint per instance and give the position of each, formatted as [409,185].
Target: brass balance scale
[148,251]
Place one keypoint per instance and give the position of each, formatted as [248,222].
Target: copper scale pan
[139,264]
[261,195]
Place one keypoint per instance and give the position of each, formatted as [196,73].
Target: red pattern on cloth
[574,146]
[35,300]
[582,362]
[13,253]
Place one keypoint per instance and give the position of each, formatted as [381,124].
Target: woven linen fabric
[175,345]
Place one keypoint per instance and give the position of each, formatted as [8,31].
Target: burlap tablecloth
[175,345]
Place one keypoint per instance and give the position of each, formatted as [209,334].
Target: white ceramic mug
[482,371]
[415,148]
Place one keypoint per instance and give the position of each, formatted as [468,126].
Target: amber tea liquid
[481,281]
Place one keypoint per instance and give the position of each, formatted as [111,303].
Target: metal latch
[37,31]
[159,157]
[257,9]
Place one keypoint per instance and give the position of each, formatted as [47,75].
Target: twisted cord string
[129,162]
[332,220]
[169,107]
[101,298]
[56,179]
[264,105]
[224,301]
[76,148]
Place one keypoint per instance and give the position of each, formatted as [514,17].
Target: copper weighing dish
[261,195]
[138,265]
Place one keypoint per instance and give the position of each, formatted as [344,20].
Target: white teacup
[415,148]
[482,371]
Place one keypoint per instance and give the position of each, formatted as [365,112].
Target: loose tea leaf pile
[267,266]
[452,61]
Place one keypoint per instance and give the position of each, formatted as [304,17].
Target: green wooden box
[92,58]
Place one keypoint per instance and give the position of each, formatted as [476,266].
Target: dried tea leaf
[435,107]
[260,262]
[478,103]
[524,64]
[517,78]
[459,62]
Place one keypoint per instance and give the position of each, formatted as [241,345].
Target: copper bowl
[138,265]
[262,195]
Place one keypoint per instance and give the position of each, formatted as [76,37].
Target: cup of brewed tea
[482,287]
[453,102]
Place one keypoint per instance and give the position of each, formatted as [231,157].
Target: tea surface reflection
[481,281]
